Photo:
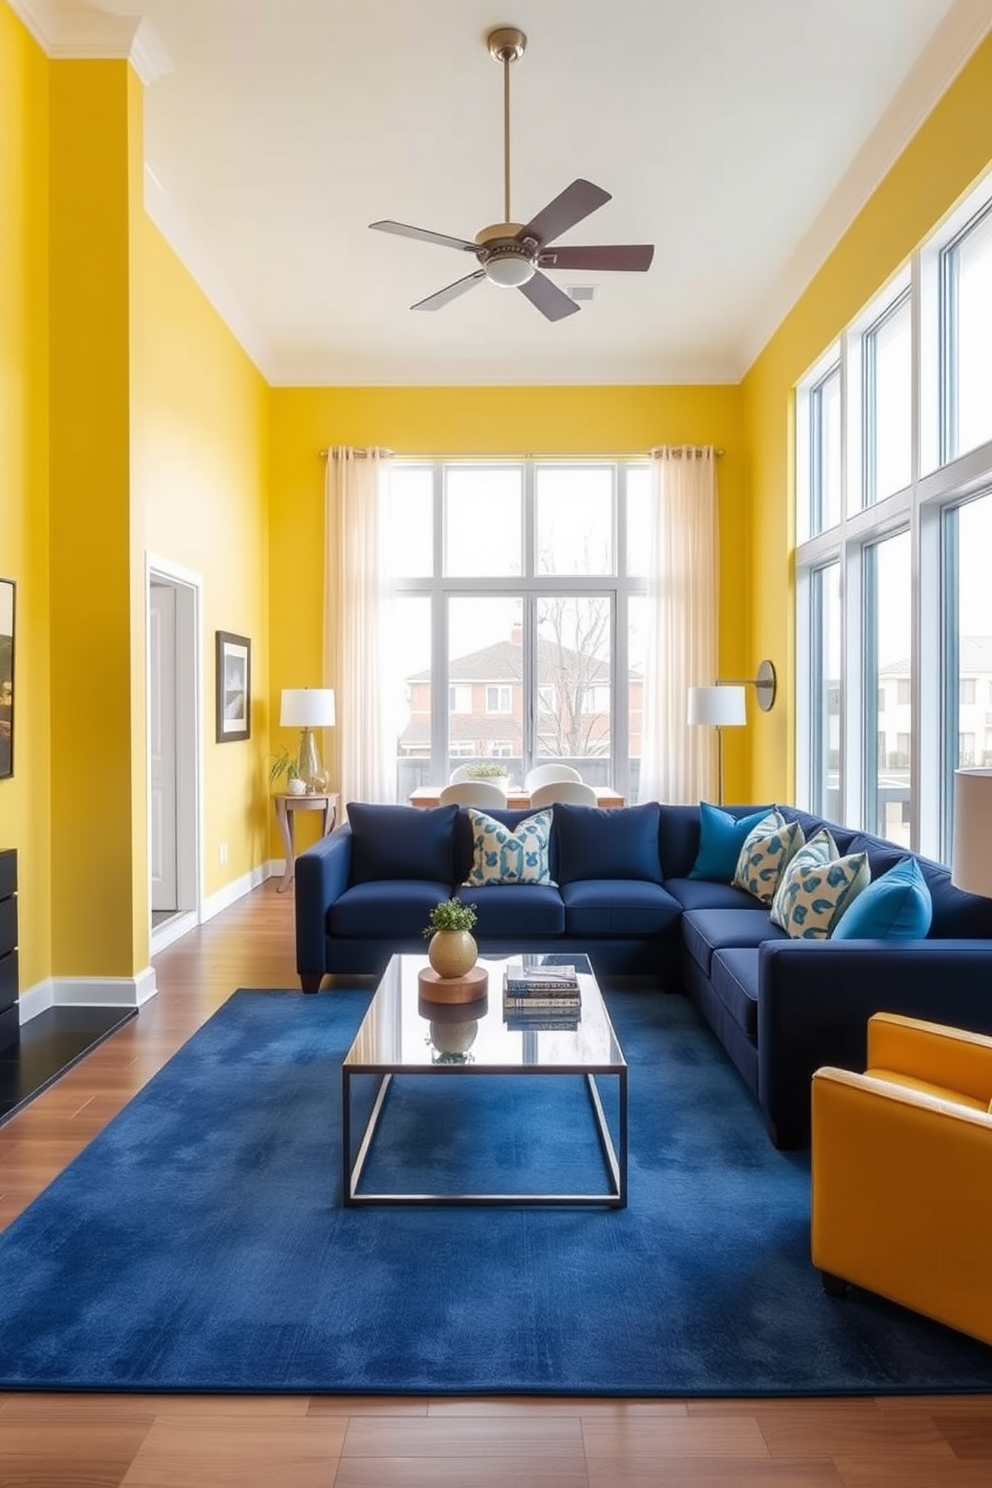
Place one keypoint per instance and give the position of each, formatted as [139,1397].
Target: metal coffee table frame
[362,1062]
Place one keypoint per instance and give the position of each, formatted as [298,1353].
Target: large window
[520,590]
[894,624]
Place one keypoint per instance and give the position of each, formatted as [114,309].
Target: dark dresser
[8,948]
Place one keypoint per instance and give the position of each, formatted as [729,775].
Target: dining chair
[472,793]
[544,774]
[574,792]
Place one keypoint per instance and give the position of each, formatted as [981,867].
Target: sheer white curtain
[678,762]
[356,621]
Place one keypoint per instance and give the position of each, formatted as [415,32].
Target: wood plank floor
[138,1441]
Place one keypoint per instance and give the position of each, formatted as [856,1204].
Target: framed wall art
[233,687]
[6,677]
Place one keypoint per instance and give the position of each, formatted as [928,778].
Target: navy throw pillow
[617,842]
[402,842]
[721,837]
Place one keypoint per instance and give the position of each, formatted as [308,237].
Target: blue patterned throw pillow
[509,855]
[766,851]
[817,887]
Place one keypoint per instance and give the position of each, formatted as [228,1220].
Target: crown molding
[66,29]
[214,284]
[962,30]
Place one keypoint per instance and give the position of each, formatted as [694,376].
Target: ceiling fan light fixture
[509,265]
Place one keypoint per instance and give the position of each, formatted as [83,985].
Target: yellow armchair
[902,1172]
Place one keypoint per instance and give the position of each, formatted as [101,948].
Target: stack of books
[537,995]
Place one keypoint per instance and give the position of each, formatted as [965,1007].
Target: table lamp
[971,866]
[718,707]
[308,708]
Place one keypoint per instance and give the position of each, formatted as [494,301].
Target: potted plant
[452,950]
[285,764]
[492,770]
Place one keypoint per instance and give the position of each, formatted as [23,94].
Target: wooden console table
[286,804]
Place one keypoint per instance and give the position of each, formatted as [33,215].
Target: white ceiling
[739,136]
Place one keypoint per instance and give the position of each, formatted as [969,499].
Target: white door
[162,747]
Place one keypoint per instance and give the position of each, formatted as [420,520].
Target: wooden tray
[468,988]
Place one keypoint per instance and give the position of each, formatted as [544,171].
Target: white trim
[960,32]
[206,274]
[69,31]
[237,889]
[188,584]
[172,930]
[124,992]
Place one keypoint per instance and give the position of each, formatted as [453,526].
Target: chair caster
[834,1286]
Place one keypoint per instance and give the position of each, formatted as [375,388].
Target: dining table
[516,797]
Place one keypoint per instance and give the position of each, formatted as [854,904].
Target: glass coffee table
[401,1036]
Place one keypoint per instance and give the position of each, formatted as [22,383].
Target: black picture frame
[233,677]
[7,608]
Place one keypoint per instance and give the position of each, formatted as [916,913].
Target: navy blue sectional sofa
[624,893]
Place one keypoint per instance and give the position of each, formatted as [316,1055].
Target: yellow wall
[482,421]
[130,419]
[948,154]
[205,468]
[25,807]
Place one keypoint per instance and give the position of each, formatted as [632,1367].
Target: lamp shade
[720,707]
[307,707]
[971,868]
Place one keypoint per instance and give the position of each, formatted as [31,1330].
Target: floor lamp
[717,707]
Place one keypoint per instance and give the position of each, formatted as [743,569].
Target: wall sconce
[766,684]
[307,708]
[723,706]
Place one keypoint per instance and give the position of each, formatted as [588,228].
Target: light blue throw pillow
[509,855]
[721,837]
[817,888]
[765,855]
[896,906]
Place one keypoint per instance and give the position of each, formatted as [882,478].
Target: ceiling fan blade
[574,203]
[552,302]
[445,296]
[629,256]
[425,235]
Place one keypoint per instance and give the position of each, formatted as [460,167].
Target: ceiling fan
[512,254]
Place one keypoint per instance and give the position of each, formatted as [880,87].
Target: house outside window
[542,622]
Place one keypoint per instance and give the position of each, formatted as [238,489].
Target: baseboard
[237,889]
[137,990]
[123,992]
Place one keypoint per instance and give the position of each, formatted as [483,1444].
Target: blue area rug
[199,1242]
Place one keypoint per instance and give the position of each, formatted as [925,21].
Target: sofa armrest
[321,877]
[815,999]
[952,1058]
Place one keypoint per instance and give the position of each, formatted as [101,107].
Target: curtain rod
[676,451]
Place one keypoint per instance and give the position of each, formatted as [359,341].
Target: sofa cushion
[389,842]
[515,911]
[509,855]
[721,837]
[817,887]
[734,978]
[391,909]
[707,930]
[621,842]
[767,849]
[956,915]
[896,906]
[616,906]
[700,893]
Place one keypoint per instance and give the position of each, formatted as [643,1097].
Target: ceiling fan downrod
[506,44]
